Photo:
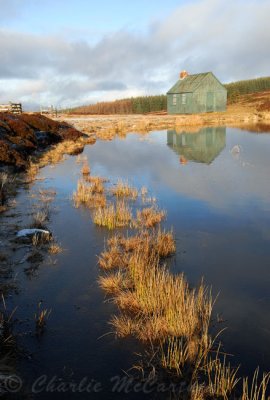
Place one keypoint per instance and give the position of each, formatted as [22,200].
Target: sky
[68,53]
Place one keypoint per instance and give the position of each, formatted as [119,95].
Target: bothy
[196,94]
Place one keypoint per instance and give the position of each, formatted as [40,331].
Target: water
[217,198]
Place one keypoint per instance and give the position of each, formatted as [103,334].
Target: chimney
[183,74]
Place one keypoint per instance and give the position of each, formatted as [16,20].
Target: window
[184,98]
[174,99]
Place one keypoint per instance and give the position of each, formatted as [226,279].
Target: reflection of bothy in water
[202,146]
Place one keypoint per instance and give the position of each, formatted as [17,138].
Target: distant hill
[149,104]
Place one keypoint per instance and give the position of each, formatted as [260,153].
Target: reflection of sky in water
[219,212]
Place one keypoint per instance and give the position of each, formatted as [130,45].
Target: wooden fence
[14,108]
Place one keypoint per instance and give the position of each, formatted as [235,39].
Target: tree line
[148,104]
[133,105]
[236,89]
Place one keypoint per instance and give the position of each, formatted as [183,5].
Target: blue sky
[77,52]
[82,16]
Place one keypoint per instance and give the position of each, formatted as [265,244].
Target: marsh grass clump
[114,282]
[165,243]
[85,169]
[83,193]
[113,215]
[258,389]
[40,219]
[160,298]
[123,189]
[97,180]
[124,325]
[121,248]
[7,190]
[41,238]
[57,153]
[46,196]
[149,216]
[32,171]
[41,317]
[7,339]
[3,188]
[157,307]
[112,258]
[222,378]
[55,248]
[97,187]
[89,195]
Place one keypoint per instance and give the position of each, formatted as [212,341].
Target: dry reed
[123,189]
[149,217]
[85,169]
[90,195]
[113,216]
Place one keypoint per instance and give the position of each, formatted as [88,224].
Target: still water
[214,184]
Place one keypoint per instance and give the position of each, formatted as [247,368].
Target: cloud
[226,37]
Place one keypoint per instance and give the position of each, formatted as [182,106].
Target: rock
[31,232]
[27,236]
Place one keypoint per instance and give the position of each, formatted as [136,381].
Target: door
[209,101]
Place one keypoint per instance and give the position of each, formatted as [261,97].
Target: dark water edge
[217,201]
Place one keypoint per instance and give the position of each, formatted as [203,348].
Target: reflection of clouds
[224,184]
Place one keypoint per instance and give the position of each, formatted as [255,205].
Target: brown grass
[123,325]
[85,169]
[123,189]
[55,248]
[112,258]
[3,184]
[57,153]
[113,216]
[222,379]
[127,302]
[96,180]
[258,389]
[90,195]
[40,219]
[165,243]
[149,217]
[120,248]
[32,172]
[157,294]
[46,196]
[41,238]
[41,317]
[114,282]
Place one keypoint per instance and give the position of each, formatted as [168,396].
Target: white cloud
[227,37]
